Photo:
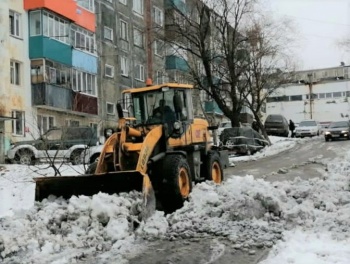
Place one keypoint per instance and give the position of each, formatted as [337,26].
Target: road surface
[305,160]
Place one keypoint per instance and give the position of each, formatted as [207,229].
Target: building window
[87,4]
[159,47]
[296,97]
[15,71]
[138,38]
[110,108]
[336,94]
[15,24]
[72,123]
[83,39]
[322,95]
[328,95]
[45,123]
[35,23]
[18,123]
[56,28]
[84,82]
[108,33]
[124,2]
[123,30]
[140,72]
[124,66]
[158,16]
[109,71]
[159,77]
[138,6]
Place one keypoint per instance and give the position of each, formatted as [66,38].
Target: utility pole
[310,93]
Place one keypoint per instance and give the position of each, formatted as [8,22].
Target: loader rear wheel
[212,169]
[177,182]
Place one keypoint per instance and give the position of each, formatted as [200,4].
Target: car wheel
[94,158]
[25,157]
[75,157]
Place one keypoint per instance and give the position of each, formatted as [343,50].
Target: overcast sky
[320,25]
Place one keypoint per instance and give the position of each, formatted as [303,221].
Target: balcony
[66,8]
[178,4]
[211,107]
[44,47]
[52,96]
[84,61]
[85,104]
[63,99]
[173,62]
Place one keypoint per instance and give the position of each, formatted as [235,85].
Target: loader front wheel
[212,169]
[177,182]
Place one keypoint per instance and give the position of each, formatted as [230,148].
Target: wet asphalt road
[305,160]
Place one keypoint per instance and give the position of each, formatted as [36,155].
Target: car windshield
[274,118]
[339,124]
[308,123]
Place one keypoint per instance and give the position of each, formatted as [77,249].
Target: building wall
[13,48]
[331,100]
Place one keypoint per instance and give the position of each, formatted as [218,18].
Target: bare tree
[270,64]
[209,35]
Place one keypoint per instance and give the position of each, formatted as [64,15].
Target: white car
[308,128]
[91,154]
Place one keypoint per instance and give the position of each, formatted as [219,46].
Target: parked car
[242,140]
[60,144]
[337,130]
[277,125]
[222,126]
[308,128]
[91,154]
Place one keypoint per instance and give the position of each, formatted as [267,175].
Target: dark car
[337,130]
[242,140]
[277,125]
[64,143]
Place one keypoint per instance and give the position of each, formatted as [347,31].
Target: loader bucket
[111,183]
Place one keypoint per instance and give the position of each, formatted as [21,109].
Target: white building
[322,95]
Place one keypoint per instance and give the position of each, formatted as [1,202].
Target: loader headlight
[177,125]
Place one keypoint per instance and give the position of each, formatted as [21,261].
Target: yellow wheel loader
[159,148]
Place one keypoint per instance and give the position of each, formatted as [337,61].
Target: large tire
[25,157]
[75,157]
[177,183]
[211,168]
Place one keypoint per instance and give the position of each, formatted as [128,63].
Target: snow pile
[63,231]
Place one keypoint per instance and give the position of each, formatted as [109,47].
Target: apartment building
[130,49]
[320,94]
[15,97]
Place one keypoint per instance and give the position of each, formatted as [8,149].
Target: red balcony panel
[85,104]
[85,19]
[66,8]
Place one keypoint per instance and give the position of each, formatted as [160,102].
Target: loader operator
[164,113]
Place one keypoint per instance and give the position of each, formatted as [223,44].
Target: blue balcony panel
[211,107]
[178,4]
[44,47]
[84,61]
[173,62]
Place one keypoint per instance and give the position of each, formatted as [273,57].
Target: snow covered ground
[301,221]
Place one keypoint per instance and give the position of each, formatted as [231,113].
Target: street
[306,160]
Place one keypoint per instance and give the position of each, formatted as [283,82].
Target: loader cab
[166,105]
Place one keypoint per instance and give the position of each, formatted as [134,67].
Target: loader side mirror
[120,110]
